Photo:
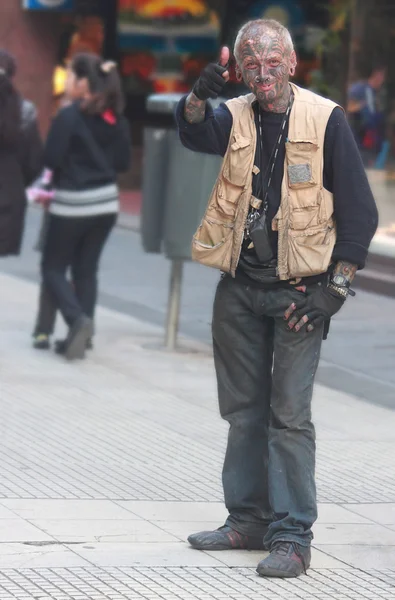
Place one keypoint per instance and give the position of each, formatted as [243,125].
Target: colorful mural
[165,43]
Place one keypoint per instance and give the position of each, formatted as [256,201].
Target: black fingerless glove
[320,306]
[210,83]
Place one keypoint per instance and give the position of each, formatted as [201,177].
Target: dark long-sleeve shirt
[85,151]
[344,174]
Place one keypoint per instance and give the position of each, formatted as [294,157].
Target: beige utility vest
[305,222]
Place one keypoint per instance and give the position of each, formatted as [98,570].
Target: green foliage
[332,50]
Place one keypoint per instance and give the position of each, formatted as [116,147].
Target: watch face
[340,280]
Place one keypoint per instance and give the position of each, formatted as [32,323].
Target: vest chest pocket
[300,164]
[238,162]
[310,252]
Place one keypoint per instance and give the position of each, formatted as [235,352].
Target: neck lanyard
[272,161]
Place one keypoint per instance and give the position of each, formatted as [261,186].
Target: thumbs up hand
[224,56]
[213,77]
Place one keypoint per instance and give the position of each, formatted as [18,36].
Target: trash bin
[155,168]
[176,183]
[191,177]
[176,186]
[190,181]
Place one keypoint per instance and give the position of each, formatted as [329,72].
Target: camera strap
[260,206]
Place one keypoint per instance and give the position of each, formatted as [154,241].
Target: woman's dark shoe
[286,559]
[60,346]
[79,334]
[225,538]
[41,341]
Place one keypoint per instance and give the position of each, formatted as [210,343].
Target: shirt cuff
[191,128]
[350,252]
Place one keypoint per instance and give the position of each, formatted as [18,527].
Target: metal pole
[173,306]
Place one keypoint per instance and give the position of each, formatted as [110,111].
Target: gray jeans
[265,376]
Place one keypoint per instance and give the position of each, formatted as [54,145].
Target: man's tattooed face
[265,63]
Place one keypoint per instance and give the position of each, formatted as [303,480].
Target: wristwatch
[340,280]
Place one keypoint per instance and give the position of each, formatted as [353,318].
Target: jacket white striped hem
[98,201]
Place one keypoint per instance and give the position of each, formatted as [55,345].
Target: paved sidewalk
[107,465]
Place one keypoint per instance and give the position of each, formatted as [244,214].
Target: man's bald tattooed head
[265,60]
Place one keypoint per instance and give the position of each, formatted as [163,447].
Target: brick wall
[33,39]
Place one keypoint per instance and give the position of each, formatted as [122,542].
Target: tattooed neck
[278,105]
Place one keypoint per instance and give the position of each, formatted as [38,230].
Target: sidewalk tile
[67,509]
[354,534]
[380,513]
[333,513]
[178,511]
[327,514]
[239,558]
[322,560]
[362,557]
[190,583]
[18,530]
[6,513]
[91,530]
[150,555]
[182,529]
[250,559]
[20,556]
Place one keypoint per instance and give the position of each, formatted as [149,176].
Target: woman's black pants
[75,242]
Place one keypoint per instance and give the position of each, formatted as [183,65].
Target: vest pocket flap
[302,145]
[239,142]
[314,235]
[237,164]
[303,218]
[310,252]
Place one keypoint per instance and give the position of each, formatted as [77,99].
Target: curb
[378,276]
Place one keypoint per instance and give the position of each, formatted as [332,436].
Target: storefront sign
[54,5]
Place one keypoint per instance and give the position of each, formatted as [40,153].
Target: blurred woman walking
[21,155]
[87,145]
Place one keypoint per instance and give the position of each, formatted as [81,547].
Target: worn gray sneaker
[286,559]
[225,538]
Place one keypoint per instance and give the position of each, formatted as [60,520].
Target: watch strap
[340,291]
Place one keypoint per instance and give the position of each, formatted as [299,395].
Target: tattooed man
[288,223]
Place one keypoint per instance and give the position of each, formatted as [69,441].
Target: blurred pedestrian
[289,222]
[87,145]
[21,156]
[366,114]
[42,193]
